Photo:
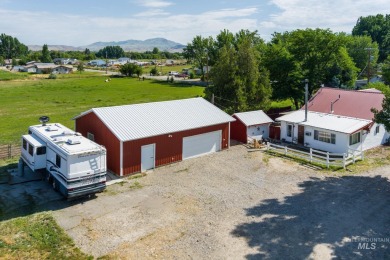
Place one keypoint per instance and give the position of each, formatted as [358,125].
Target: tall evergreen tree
[45,54]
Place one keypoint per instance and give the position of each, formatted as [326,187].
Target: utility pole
[306,96]
[106,63]
[368,64]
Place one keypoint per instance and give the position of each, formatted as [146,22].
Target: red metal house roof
[351,103]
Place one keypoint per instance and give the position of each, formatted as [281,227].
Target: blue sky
[81,22]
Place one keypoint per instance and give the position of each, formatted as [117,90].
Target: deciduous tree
[378,28]
[199,51]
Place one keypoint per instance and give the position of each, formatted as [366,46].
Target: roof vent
[67,132]
[73,141]
[51,128]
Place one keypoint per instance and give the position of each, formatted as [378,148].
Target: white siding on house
[373,139]
[341,145]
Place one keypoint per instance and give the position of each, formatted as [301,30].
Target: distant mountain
[140,46]
[129,45]
[55,48]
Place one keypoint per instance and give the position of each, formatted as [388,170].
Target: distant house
[338,120]
[31,68]
[62,69]
[97,63]
[18,68]
[250,125]
[65,61]
[124,60]
[44,68]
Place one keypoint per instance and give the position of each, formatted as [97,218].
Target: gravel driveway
[235,205]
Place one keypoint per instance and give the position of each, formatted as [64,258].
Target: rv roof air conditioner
[73,141]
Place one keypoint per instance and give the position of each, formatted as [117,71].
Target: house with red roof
[338,121]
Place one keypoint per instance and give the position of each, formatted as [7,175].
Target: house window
[377,129]
[58,161]
[354,138]
[91,136]
[289,130]
[41,150]
[24,144]
[30,149]
[325,137]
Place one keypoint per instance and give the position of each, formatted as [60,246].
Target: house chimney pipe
[306,96]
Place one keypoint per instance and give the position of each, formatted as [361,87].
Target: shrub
[153,71]
[192,75]
[52,76]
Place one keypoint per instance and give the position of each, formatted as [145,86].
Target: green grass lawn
[281,104]
[23,102]
[36,236]
[6,75]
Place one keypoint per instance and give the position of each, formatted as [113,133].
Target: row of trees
[244,60]
[11,48]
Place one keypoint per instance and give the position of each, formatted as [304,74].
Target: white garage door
[197,145]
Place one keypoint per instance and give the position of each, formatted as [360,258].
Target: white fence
[316,156]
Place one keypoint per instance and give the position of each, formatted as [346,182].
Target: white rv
[73,164]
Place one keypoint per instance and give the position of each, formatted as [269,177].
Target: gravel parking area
[234,205]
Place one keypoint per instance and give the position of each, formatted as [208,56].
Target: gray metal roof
[257,117]
[331,122]
[131,122]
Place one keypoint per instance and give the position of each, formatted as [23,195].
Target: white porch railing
[316,156]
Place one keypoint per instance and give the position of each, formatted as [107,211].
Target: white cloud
[338,15]
[76,30]
[152,12]
[82,30]
[224,13]
[154,3]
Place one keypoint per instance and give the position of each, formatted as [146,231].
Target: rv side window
[30,149]
[91,136]
[41,150]
[24,144]
[58,161]
[29,132]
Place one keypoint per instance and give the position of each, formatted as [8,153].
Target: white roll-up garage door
[197,145]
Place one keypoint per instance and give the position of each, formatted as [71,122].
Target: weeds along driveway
[232,205]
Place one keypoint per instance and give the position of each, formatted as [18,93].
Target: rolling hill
[129,45]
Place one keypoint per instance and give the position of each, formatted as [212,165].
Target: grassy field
[37,236]
[5,75]
[23,102]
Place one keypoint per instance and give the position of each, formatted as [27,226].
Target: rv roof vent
[67,132]
[51,128]
[73,141]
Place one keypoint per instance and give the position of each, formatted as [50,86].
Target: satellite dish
[44,120]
